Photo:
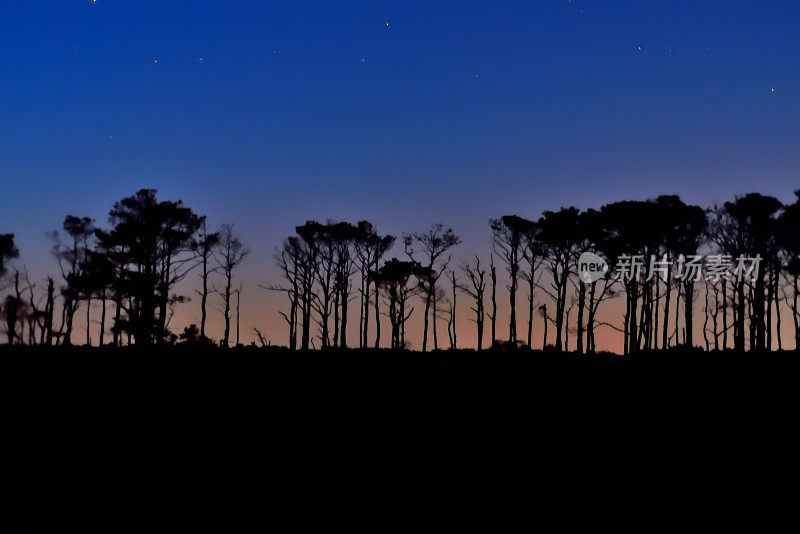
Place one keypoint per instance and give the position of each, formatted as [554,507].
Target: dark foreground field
[86,426]
[210,371]
[248,379]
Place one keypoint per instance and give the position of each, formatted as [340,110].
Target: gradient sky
[267,114]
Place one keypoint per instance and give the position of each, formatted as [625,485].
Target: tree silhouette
[691,229]
[190,334]
[307,275]
[394,277]
[369,250]
[752,224]
[10,306]
[8,251]
[475,289]
[626,236]
[559,234]
[204,246]
[788,237]
[322,301]
[98,281]
[586,240]
[493,316]
[229,255]
[238,292]
[533,255]
[431,246]
[344,236]
[138,263]
[545,320]
[10,310]
[72,257]
[151,249]
[451,322]
[508,233]
[290,260]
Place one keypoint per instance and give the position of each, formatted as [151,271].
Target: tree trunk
[343,331]
[724,314]
[377,312]
[530,309]
[435,336]
[455,341]
[238,296]
[687,311]
[776,293]
[204,297]
[795,314]
[581,302]
[103,318]
[494,304]
[88,321]
[738,341]
[665,336]
[590,322]
[227,312]
[512,300]
[544,337]
[425,321]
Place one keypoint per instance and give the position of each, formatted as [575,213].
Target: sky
[267,114]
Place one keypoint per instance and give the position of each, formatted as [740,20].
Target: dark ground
[131,526]
[186,382]
[91,430]
[205,373]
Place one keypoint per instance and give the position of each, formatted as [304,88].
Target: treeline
[132,270]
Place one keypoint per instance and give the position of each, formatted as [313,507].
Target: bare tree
[453,307]
[559,234]
[238,297]
[290,258]
[493,316]
[72,260]
[431,246]
[508,241]
[204,246]
[394,277]
[370,248]
[475,289]
[545,319]
[229,255]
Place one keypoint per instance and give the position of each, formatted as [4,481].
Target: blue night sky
[270,113]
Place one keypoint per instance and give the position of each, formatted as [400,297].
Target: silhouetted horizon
[406,115]
[730,272]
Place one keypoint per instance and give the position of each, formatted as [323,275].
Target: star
[477,76]
[387,23]
[155,60]
[639,48]
[771,89]
[274,52]
[363,60]
[201,59]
